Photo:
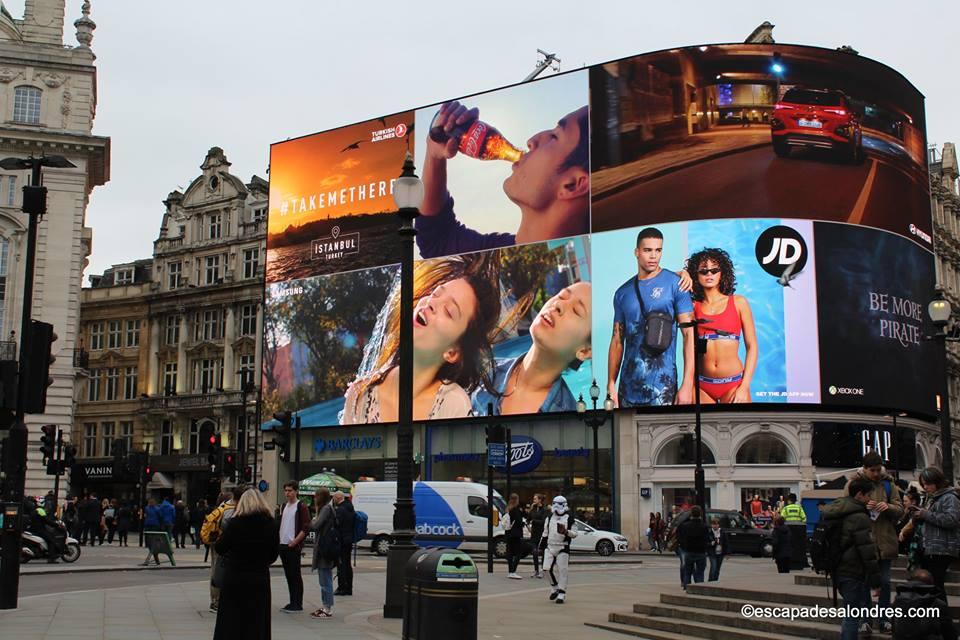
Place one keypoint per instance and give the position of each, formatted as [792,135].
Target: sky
[178,77]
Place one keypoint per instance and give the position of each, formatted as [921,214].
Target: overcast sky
[179,76]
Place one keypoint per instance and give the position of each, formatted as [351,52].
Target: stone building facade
[172,340]
[48,100]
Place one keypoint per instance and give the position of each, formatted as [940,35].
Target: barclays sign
[332,445]
[526,454]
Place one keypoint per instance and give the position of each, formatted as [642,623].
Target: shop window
[764,448]
[681,450]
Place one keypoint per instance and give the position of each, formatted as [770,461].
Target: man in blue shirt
[648,378]
[550,184]
[167,514]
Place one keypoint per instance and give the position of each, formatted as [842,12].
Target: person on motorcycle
[44,525]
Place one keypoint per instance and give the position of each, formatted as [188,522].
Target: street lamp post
[596,419]
[408,195]
[35,206]
[940,311]
[700,349]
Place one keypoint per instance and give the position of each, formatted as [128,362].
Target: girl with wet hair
[456,309]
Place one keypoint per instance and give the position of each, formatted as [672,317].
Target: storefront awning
[160,481]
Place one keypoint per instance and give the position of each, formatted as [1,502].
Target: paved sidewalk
[692,149]
[113,558]
[507,608]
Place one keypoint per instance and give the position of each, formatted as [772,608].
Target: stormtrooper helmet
[559,505]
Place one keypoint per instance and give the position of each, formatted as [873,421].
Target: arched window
[681,450]
[26,105]
[764,448]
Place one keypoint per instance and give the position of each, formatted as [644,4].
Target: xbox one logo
[833,390]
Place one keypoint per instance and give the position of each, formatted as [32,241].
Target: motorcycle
[33,547]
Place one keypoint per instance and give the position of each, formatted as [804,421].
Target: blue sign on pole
[497,454]
[263,486]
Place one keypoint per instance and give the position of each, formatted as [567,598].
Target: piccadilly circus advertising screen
[773,198]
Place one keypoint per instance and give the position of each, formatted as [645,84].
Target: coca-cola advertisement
[505,167]
[331,199]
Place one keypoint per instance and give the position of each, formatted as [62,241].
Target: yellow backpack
[210,531]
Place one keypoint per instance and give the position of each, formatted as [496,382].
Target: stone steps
[898,573]
[812,579]
[711,628]
[689,617]
[713,596]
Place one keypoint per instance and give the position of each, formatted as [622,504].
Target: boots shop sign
[526,454]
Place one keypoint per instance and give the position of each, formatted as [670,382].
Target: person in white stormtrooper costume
[555,543]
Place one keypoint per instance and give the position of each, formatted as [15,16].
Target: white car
[596,540]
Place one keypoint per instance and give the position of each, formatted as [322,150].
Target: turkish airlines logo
[400,130]
[781,248]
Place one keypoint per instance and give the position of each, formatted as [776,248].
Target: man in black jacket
[90,519]
[693,536]
[859,568]
[346,516]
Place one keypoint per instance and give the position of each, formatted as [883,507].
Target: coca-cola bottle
[478,140]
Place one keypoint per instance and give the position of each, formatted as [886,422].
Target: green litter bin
[440,595]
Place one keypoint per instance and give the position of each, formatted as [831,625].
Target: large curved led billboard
[774,198]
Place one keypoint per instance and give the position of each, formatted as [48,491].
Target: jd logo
[779,248]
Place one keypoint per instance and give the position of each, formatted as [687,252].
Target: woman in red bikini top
[723,377]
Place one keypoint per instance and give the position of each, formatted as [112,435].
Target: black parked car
[742,536]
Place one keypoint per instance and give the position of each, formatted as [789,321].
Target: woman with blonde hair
[246,550]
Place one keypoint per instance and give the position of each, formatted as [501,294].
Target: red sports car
[816,118]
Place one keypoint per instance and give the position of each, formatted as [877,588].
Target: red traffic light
[213,439]
[147,471]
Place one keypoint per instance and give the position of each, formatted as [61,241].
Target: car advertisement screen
[772,198]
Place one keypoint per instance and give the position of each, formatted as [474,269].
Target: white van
[450,514]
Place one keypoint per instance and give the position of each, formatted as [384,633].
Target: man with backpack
[886,508]
[213,526]
[346,517]
[844,547]
[294,523]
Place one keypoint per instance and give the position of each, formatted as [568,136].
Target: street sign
[497,454]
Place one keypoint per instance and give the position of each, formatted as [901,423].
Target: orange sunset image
[331,198]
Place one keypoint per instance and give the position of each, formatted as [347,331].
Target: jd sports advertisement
[573,228]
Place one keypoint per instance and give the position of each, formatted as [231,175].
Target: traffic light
[229,464]
[496,433]
[37,366]
[119,464]
[48,442]
[147,469]
[281,434]
[248,474]
[48,448]
[213,451]
[69,458]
